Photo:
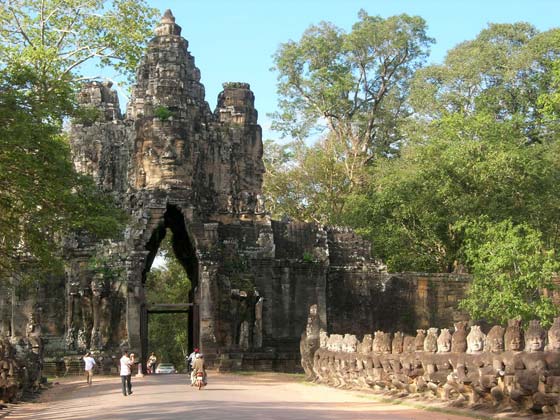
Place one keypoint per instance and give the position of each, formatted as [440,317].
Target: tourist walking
[152,360]
[89,365]
[125,372]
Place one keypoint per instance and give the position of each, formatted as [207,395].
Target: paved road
[231,397]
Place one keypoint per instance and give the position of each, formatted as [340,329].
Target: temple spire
[167,25]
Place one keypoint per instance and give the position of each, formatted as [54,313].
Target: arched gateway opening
[173,224]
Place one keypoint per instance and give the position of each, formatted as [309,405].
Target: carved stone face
[534,343]
[495,339]
[161,161]
[313,310]
[475,340]
[444,341]
[430,342]
[554,336]
[534,337]
[513,338]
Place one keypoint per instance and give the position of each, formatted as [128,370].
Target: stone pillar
[207,296]
[134,300]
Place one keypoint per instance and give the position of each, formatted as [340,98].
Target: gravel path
[231,397]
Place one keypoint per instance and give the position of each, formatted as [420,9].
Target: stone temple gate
[174,165]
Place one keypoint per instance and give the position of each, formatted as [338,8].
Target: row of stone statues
[21,362]
[506,368]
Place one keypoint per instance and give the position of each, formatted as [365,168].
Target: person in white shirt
[190,360]
[89,364]
[125,366]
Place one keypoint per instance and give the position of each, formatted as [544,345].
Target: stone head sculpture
[365,346]
[495,339]
[378,338]
[534,337]
[513,338]
[398,343]
[554,336]
[419,340]
[475,340]
[323,339]
[349,343]
[459,338]
[430,342]
[386,343]
[409,344]
[444,341]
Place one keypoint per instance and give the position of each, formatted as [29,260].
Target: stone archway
[173,222]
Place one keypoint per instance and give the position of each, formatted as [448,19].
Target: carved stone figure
[419,340]
[397,346]
[534,337]
[257,330]
[513,338]
[495,339]
[475,340]
[430,342]
[554,336]
[349,343]
[71,339]
[82,340]
[244,335]
[444,341]
[34,336]
[459,338]
[323,339]
[309,343]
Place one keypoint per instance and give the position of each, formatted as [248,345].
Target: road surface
[231,397]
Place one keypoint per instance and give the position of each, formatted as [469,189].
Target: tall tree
[502,72]
[349,88]
[44,45]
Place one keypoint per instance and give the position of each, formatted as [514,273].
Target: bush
[163,113]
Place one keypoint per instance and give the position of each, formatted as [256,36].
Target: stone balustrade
[504,369]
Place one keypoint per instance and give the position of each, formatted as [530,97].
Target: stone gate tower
[174,164]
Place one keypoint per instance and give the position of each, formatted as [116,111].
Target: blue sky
[234,40]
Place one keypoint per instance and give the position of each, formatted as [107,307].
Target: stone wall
[506,369]
[360,301]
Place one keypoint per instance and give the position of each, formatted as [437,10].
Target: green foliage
[308,257]
[234,85]
[109,266]
[466,168]
[59,36]
[44,45]
[162,112]
[502,72]
[41,196]
[86,115]
[305,183]
[170,284]
[350,89]
[511,268]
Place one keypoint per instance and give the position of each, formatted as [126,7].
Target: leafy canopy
[350,89]
[44,45]
[511,269]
